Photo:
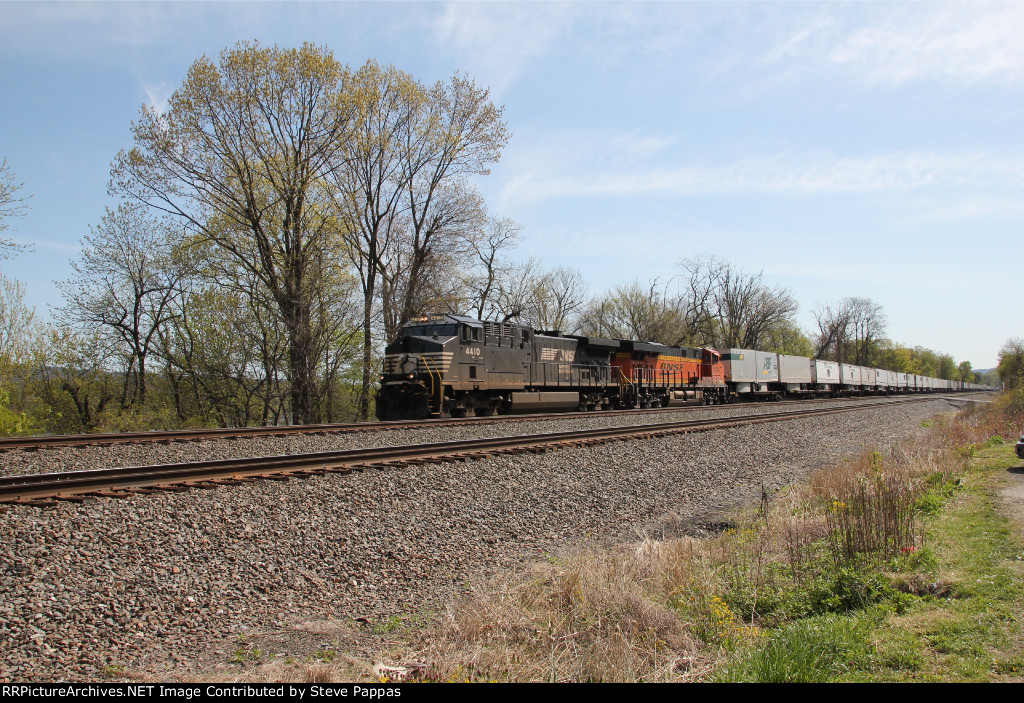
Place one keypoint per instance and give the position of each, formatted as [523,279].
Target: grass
[959,616]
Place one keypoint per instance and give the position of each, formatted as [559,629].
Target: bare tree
[748,310]
[489,267]
[850,330]
[867,325]
[699,289]
[515,296]
[833,320]
[11,205]
[652,313]
[125,285]
[558,295]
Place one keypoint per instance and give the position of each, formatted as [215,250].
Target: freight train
[454,366]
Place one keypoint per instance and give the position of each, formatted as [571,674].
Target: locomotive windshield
[432,330]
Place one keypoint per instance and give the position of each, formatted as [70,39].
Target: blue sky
[870,149]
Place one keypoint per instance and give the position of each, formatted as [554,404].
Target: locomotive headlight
[410,376]
[382,378]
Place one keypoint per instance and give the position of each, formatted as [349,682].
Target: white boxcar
[794,371]
[850,374]
[745,367]
[768,367]
[881,378]
[901,379]
[825,373]
[867,377]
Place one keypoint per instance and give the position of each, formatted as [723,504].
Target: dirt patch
[1013,494]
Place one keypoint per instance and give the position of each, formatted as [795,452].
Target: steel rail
[122,482]
[35,443]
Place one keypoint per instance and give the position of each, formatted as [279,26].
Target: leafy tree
[75,382]
[787,338]
[1011,363]
[17,329]
[947,368]
[966,374]
[243,156]
[20,337]
[402,185]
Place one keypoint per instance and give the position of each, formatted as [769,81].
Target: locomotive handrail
[430,375]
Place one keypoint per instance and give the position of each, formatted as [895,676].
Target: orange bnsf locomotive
[453,366]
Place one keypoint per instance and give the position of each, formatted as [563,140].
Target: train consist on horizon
[453,366]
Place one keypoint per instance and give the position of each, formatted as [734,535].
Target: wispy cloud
[501,39]
[965,42]
[157,96]
[556,172]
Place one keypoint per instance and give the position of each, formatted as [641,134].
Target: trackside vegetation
[901,565]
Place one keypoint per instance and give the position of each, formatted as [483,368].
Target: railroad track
[167,436]
[43,490]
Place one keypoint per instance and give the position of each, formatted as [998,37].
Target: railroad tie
[72,497]
[36,503]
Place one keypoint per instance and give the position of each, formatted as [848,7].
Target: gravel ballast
[80,458]
[145,583]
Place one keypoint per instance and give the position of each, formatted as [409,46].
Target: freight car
[453,366]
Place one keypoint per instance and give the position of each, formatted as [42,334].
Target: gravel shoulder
[158,583]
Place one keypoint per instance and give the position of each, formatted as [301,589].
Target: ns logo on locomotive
[453,366]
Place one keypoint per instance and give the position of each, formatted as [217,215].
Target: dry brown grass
[592,616]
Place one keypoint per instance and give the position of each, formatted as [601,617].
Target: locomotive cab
[414,368]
